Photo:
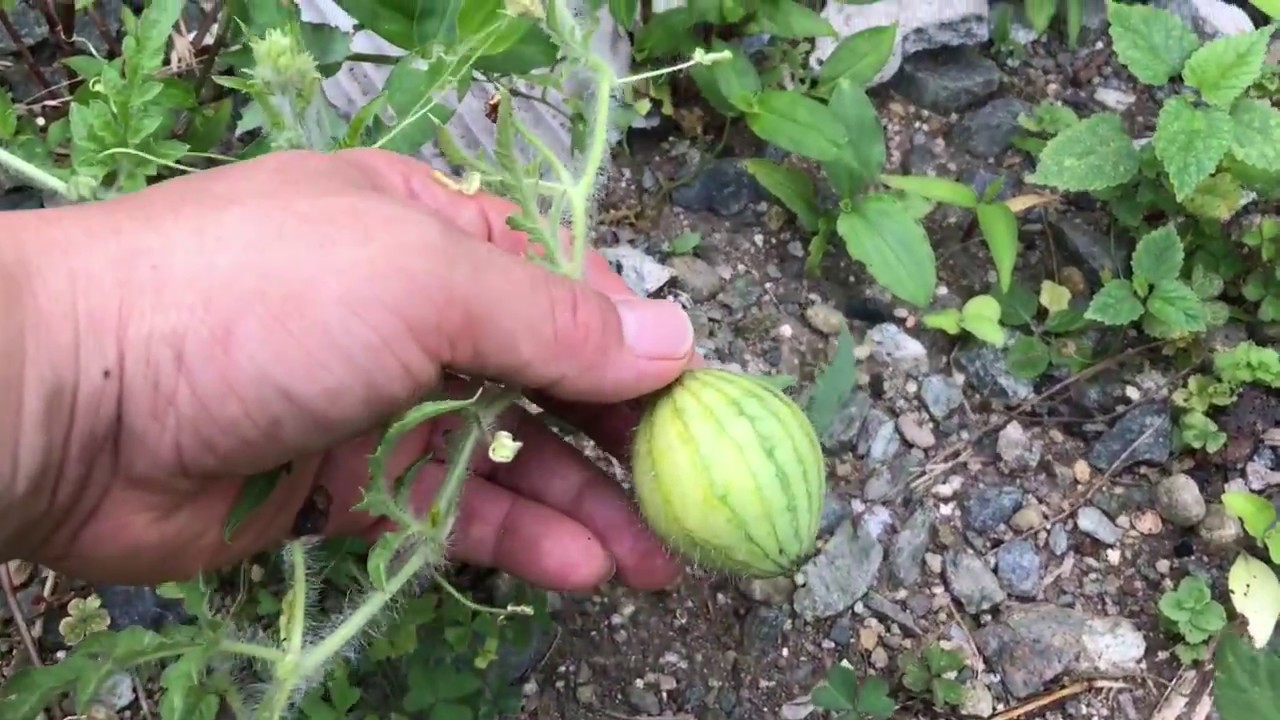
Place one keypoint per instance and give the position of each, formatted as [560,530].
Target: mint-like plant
[1190,611]
[302,664]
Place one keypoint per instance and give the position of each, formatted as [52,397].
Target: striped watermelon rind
[729,473]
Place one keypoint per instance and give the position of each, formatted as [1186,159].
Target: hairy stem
[253,650]
[40,178]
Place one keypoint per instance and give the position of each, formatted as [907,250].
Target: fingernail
[655,329]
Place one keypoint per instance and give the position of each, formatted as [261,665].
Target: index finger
[481,215]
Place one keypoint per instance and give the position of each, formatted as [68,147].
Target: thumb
[509,319]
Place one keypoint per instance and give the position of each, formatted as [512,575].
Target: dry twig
[1060,694]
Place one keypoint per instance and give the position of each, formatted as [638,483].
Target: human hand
[283,309]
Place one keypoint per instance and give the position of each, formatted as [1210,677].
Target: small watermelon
[729,473]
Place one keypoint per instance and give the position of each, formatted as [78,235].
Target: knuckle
[576,320]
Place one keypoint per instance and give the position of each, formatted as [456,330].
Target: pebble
[644,700]
[1059,541]
[697,276]
[825,319]
[1148,522]
[770,591]
[971,581]
[1179,500]
[1095,523]
[990,507]
[1018,453]
[915,433]
[941,395]
[1218,528]
[1030,517]
[1019,568]
[892,346]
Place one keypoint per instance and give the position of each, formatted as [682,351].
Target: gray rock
[978,700]
[1095,252]
[1031,645]
[840,574]
[841,632]
[1095,523]
[1115,99]
[847,426]
[988,373]
[1219,528]
[906,554]
[1211,19]
[1179,501]
[879,440]
[948,80]
[1019,568]
[921,26]
[1059,540]
[762,629]
[834,511]
[117,691]
[19,199]
[990,130]
[971,581]
[941,395]
[990,507]
[916,432]
[724,187]
[643,700]
[891,481]
[887,609]
[892,346]
[639,271]
[1017,451]
[1142,435]
[697,277]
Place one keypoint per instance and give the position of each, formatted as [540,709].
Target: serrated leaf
[1255,594]
[839,692]
[999,228]
[859,57]
[1115,304]
[1255,138]
[1217,198]
[874,700]
[1224,68]
[797,123]
[1190,143]
[255,491]
[1152,43]
[1177,305]
[1246,680]
[879,233]
[1159,255]
[8,116]
[1094,154]
[791,186]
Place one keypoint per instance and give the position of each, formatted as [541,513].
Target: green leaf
[407,24]
[797,123]
[1255,594]
[1177,305]
[730,86]
[1255,138]
[791,186]
[789,19]
[534,50]
[874,700]
[859,57]
[864,157]
[1115,304]
[1054,297]
[981,317]
[1246,683]
[1000,229]
[255,491]
[1190,143]
[624,12]
[1152,43]
[8,116]
[948,692]
[1217,198]
[1224,68]
[943,190]
[1028,357]
[895,249]
[833,386]
[839,692]
[1256,513]
[1158,257]
[1093,154]
[451,711]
